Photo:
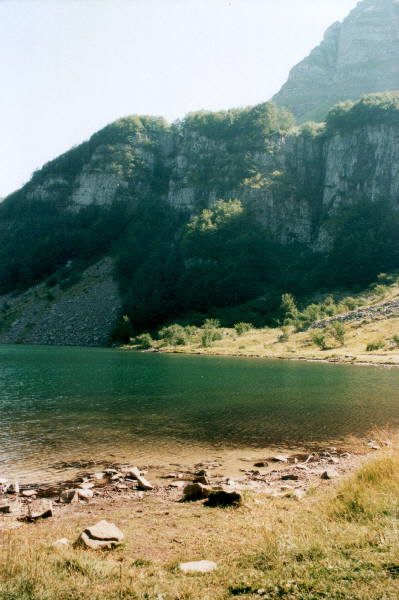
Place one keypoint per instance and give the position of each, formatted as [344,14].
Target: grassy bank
[360,329]
[339,542]
[285,343]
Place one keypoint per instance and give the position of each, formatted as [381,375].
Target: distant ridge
[356,57]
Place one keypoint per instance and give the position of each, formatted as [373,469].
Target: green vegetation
[371,109]
[242,327]
[143,341]
[377,345]
[216,261]
[319,339]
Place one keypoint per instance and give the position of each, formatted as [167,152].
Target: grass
[337,544]
[373,340]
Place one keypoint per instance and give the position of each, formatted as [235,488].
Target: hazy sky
[69,67]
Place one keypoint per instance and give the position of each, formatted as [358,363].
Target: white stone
[201,566]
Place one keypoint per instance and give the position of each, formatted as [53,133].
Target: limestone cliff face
[356,57]
[293,184]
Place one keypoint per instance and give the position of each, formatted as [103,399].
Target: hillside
[216,215]
[345,329]
[356,57]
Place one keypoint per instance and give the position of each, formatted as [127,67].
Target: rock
[61,543]
[98,476]
[290,477]
[329,474]
[201,566]
[102,535]
[85,494]
[202,479]
[121,486]
[201,473]
[280,458]
[223,498]
[69,497]
[333,460]
[29,493]
[177,484]
[13,488]
[143,484]
[357,56]
[40,509]
[195,491]
[261,463]
[10,507]
[86,485]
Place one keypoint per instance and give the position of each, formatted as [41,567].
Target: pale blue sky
[69,67]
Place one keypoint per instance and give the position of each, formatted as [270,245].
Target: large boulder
[40,509]
[102,535]
[223,498]
[195,491]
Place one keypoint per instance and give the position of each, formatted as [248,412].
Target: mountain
[356,57]
[215,215]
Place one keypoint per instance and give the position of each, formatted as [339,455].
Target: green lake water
[64,404]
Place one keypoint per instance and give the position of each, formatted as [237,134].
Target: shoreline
[289,475]
[308,359]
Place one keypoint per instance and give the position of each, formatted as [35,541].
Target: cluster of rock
[36,501]
[384,310]
[299,472]
[71,317]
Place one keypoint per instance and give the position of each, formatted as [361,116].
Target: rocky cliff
[356,57]
[132,189]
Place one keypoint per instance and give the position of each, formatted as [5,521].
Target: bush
[377,345]
[319,339]
[284,336]
[395,340]
[211,324]
[242,327]
[174,335]
[209,336]
[143,341]
[337,331]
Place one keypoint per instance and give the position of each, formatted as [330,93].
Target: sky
[69,67]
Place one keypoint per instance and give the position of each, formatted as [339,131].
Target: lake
[60,405]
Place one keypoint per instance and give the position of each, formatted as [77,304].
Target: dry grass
[337,544]
[264,343]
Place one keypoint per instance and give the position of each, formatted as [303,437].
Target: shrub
[337,331]
[211,324]
[377,345]
[174,335]
[143,341]
[208,336]
[395,340]
[284,336]
[319,339]
[348,303]
[242,327]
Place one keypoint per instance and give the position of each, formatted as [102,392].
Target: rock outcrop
[356,57]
